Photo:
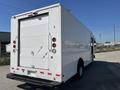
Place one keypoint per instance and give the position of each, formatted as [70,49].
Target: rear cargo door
[34,42]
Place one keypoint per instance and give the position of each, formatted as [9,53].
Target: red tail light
[57,74]
[53,45]
[49,73]
[14,46]
[54,39]
[14,42]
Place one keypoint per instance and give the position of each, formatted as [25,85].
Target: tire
[80,70]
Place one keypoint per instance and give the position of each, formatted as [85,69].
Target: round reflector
[14,46]
[54,50]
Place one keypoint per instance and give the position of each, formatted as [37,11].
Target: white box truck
[49,46]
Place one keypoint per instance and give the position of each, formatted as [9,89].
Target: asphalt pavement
[102,74]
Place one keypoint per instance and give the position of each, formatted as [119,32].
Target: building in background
[117,43]
[4,40]
[109,44]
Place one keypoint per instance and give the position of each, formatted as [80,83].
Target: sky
[98,15]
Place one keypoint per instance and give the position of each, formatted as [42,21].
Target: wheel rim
[81,71]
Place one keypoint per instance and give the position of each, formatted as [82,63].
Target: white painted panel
[34,42]
[75,44]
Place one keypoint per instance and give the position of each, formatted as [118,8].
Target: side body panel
[76,43]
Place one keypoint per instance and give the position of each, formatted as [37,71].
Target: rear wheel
[80,72]
[80,69]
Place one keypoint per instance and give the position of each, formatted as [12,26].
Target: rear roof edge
[36,10]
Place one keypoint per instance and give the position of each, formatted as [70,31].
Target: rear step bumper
[35,81]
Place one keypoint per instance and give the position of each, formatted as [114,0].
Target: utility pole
[100,36]
[114,35]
